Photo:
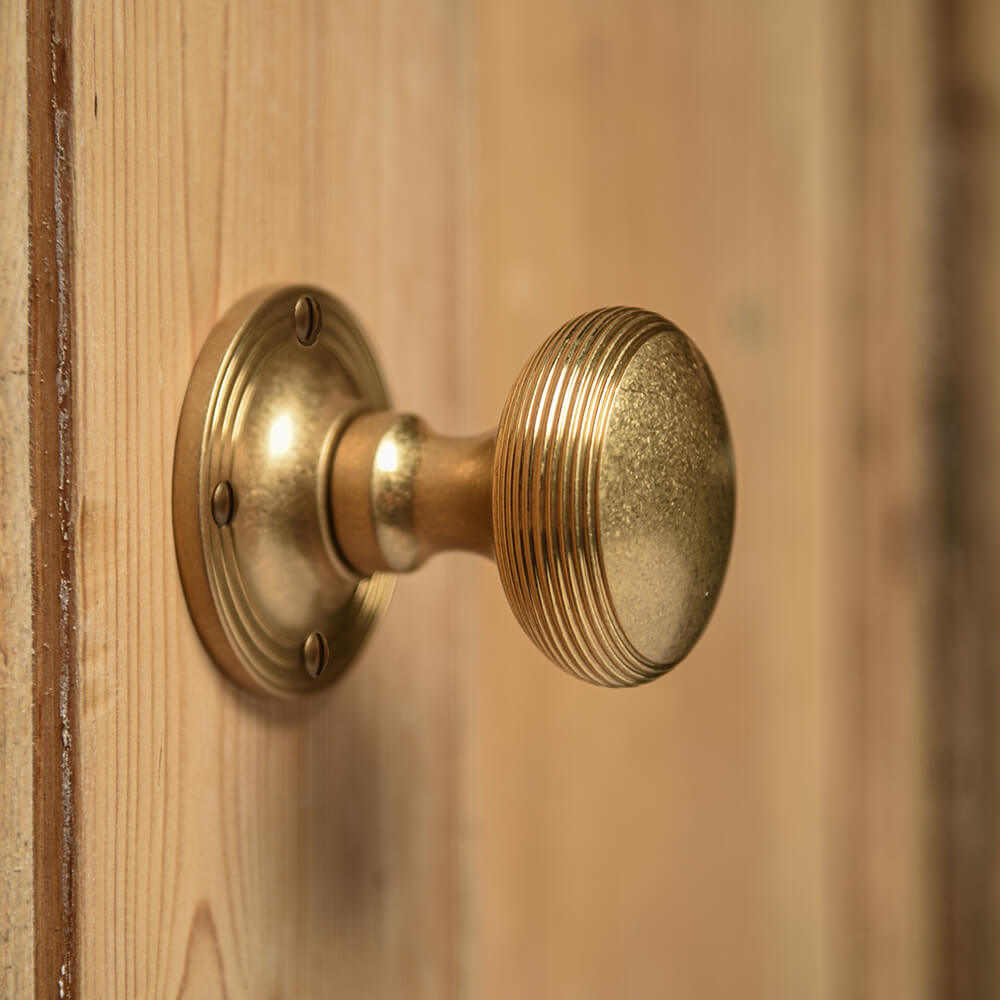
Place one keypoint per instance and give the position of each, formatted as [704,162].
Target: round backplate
[267,400]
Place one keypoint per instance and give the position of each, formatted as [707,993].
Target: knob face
[613,497]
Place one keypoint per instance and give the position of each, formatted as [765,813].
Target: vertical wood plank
[230,846]
[677,839]
[16,770]
[886,527]
[808,806]
[965,693]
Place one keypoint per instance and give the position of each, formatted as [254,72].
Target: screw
[222,503]
[308,320]
[315,654]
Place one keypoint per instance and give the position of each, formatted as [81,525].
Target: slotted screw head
[315,654]
[308,320]
[222,503]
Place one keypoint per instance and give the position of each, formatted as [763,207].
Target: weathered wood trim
[50,378]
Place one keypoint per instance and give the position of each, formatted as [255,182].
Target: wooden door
[807,806]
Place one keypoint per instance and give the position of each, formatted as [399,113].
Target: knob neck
[399,493]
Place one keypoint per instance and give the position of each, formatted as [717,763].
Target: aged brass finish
[613,497]
[401,493]
[268,398]
[606,494]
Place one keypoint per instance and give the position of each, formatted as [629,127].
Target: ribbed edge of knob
[545,489]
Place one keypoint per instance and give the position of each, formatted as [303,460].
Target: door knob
[605,494]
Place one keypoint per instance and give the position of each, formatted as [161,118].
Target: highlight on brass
[613,496]
[605,494]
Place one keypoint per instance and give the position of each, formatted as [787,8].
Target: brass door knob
[606,493]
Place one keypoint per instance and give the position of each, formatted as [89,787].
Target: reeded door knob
[606,493]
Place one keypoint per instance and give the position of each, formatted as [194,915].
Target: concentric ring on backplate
[262,412]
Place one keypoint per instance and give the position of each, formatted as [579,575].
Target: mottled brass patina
[606,494]
[613,496]
[263,411]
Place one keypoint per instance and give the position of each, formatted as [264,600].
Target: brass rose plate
[606,494]
[272,390]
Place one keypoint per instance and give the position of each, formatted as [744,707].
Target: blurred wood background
[808,806]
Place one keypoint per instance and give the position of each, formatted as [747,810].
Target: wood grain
[675,840]
[808,806]
[16,769]
[965,693]
[229,846]
[885,527]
